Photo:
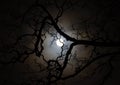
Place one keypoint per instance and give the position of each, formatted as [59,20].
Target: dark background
[11,27]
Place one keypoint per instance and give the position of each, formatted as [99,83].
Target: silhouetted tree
[94,34]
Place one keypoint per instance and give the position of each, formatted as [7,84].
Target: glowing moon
[59,42]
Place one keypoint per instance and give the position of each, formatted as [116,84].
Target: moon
[59,42]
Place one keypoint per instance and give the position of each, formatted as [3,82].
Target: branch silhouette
[43,23]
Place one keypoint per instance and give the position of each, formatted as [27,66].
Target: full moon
[59,42]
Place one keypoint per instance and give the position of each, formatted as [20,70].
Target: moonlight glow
[59,42]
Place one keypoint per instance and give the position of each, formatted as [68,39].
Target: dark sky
[11,27]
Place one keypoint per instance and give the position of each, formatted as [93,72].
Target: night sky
[91,20]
